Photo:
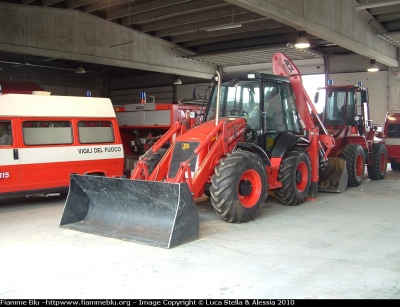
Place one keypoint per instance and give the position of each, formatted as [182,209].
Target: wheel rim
[382,163]
[359,166]
[249,188]
[301,176]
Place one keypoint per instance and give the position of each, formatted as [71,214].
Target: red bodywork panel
[215,142]
[391,137]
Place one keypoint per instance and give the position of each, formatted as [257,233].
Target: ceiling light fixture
[177,81]
[224,27]
[302,42]
[373,67]
[231,25]
[80,70]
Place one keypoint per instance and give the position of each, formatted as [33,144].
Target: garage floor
[343,246]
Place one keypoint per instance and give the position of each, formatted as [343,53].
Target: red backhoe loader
[260,133]
[346,116]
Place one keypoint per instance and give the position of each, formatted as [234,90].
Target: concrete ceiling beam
[75,35]
[335,21]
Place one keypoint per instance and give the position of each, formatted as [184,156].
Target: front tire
[353,154]
[295,176]
[239,187]
[377,170]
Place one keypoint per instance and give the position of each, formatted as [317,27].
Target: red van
[45,138]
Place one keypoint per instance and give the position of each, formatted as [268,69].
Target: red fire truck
[391,138]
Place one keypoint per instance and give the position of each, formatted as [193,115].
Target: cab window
[238,99]
[393,131]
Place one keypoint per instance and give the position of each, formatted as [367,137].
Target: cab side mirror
[316,97]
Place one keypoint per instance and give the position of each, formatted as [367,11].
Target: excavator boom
[332,175]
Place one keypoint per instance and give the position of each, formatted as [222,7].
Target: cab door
[9,159]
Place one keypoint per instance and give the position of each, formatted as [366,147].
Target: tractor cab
[265,101]
[346,106]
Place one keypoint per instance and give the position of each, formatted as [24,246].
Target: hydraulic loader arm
[141,170]
[310,120]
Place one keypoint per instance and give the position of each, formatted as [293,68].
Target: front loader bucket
[146,212]
[334,177]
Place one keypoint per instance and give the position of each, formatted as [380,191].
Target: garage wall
[57,82]
[350,64]
[196,91]
[394,90]
[126,90]
[378,88]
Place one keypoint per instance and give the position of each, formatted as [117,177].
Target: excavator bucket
[334,177]
[147,212]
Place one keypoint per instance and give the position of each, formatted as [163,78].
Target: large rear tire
[295,176]
[377,170]
[353,154]
[239,187]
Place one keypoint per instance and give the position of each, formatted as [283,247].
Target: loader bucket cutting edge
[334,177]
[147,212]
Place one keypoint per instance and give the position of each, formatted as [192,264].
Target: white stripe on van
[7,157]
[51,154]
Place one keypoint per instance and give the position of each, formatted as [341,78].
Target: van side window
[5,132]
[95,132]
[47,132]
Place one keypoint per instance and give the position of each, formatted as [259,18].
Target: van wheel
[239,187]
[295,176]
[353,154]
[377,170]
